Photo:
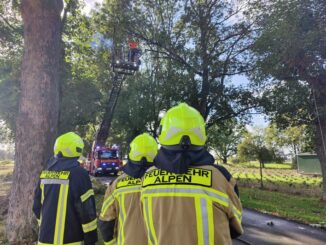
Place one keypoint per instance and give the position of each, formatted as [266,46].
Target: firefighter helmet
[182,122]
[143,146]
[69,145]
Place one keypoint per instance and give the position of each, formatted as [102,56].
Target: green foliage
[197,42]
[10,59]
[297,138]
[255,147]
[291,44]
[224,138]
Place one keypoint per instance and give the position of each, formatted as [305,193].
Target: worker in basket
[186,198]
[64,202]
[121,221]
[134,52]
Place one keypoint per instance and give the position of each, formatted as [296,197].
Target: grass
[255,164]
[304,209]
[6,168]
[280,180]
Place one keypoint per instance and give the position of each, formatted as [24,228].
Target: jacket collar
[135,170]
[179,161]
[62,163]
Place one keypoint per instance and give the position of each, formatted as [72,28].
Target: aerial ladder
[125,62]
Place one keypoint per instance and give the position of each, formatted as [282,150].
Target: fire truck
[103,160]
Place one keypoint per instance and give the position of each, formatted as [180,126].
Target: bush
[235,160]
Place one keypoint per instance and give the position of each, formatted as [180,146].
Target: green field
[255,164]
[277,179]
[301,208]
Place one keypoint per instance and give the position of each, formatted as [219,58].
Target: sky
[90,4]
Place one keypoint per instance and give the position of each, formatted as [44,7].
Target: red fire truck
[103,160]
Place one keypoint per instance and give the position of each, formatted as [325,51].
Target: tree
[11,46]
[223,139]
[291,47]
[37,122]
[254,147]
[202,42]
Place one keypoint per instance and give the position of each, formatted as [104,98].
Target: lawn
[276,179]
[305,209]
[6,168]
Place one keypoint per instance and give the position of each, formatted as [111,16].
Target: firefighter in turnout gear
[64,202]
[186,198]
[121,221]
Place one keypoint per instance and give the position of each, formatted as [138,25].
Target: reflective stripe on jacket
[199,207]
[64,205]
[122,205]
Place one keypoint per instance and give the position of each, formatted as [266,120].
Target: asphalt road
[260,231]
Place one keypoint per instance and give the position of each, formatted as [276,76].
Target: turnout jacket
[121,221]
[193,205]
[64,204]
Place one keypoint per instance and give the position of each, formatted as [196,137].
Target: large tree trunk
[37,121]
[319,89]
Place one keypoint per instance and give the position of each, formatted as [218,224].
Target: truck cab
[104,161]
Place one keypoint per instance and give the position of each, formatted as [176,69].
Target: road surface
[258,232]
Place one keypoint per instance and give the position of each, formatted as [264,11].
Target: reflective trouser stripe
[74,243]
[112,242]
[90,226]
[61,214]
[88,194]
[122,215]
[174,191]
[147,208]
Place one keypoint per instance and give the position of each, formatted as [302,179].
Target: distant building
[308,163]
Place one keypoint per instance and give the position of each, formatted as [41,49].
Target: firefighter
[186,198]
[64,202]
[121,221]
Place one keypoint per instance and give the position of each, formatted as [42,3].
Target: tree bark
[225,160]
[37,121]
[319,90]
[104,130]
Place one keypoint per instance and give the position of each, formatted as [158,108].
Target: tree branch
[13,28]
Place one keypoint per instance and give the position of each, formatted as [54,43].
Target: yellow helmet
[143,146]
[69,145]
[182,121]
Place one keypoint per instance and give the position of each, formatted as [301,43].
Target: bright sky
[90,4]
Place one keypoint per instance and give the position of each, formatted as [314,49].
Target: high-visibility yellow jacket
[121,221]
[199,207]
